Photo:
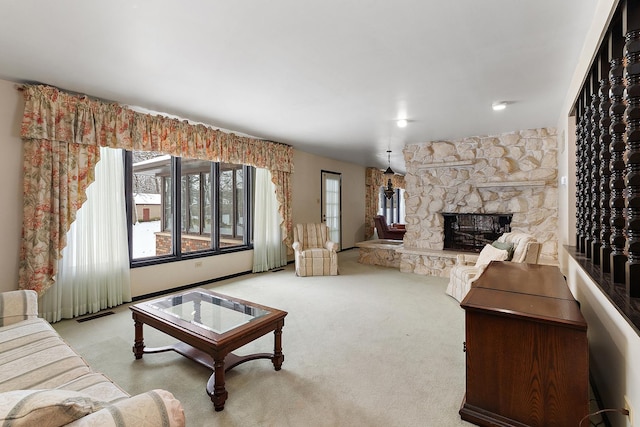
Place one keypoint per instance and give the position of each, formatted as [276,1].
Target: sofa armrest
[153,408]
[16,306]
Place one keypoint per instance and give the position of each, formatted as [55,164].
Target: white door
[331,205]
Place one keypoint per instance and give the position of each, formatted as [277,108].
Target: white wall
[306,189]
[146,280]
[614,345]
[11,107]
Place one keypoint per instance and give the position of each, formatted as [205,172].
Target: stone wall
[508,173]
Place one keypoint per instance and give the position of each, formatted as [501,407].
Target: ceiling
[328,77]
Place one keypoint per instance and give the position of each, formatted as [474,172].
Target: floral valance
[59,116]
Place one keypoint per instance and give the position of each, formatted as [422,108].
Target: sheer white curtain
[268,250]
[94,269]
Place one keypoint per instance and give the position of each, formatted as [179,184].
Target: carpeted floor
[370,347]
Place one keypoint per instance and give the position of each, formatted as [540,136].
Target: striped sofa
[44,382]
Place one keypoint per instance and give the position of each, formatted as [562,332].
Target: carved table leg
[278,357]
[215,385]
[138,344]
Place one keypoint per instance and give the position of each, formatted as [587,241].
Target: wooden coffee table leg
[278,357]
[215,385]
[138,344]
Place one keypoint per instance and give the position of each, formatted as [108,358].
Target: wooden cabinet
[527,358]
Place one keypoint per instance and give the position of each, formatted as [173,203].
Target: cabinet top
[522,278]
[533,291]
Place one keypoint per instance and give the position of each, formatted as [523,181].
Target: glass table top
[212,312]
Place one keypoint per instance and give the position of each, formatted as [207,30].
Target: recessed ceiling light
[402,123]
[497,106]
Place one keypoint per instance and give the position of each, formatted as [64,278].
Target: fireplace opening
[469,232]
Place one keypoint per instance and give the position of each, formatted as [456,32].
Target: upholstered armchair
[514,247]
[315,254]
[386,232]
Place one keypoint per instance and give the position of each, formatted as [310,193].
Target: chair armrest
[296,246]
[153,408]
[462,259]
[16,306]
[332,246]
[533,253]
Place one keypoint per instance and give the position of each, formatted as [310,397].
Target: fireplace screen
[470,232]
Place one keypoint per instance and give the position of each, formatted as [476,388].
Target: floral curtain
[56,176]
[93,272]
[374,179]
[53,118]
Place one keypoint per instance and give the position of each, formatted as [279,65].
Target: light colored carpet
[370,347]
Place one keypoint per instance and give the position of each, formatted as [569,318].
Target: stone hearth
[380,252]
[513,172]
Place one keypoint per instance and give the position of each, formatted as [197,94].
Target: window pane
[231,204]
[194,174]
[206,195]
[331,194]
[194,203]
[240,204]
[167,204]
[151,187]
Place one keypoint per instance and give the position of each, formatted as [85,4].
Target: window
[161,214]
[231,203]
[392,209]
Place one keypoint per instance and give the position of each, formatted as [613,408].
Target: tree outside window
[162,214]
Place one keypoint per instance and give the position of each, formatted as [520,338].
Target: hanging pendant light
[389,191]
[389,171]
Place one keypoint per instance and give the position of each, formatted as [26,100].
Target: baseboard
[192,285]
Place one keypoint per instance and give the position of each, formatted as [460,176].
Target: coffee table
[209,326]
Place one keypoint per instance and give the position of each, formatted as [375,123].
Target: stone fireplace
[513,172]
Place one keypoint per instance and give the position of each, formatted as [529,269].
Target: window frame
[176,209]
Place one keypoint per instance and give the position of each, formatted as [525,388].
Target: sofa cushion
[44,408]
[153,408]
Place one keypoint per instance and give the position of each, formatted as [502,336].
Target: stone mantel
[513,173]
[511,184]
[458,164]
